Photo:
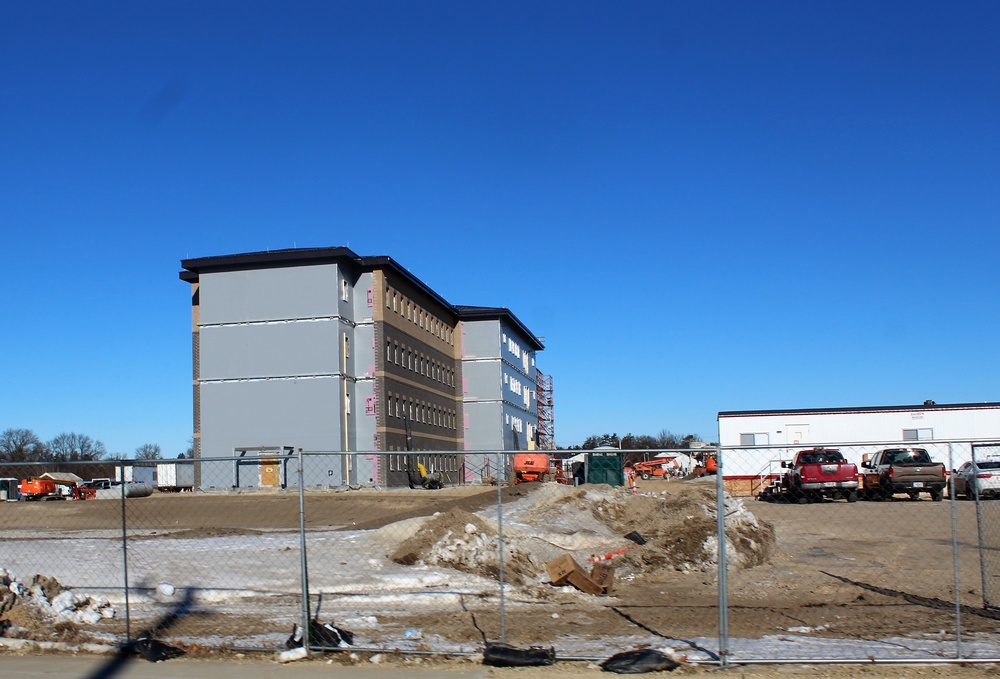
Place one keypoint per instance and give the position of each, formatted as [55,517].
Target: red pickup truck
[817,473]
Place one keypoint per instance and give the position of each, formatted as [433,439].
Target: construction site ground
[860,571]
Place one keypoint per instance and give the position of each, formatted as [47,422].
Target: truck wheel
[937,495]
[645,476]
[801,498]
[852,496]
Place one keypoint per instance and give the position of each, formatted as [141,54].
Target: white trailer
[134,474]
[927,422]
[174,476]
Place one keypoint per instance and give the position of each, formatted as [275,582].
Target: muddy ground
[861,571]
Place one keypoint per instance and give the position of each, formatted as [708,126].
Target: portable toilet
[606,465]
[9,489]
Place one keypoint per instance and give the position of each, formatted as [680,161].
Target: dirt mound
[680,527]
[469,543]
[590,522]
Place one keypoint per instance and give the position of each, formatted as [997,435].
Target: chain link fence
[887,569]
[439,552]
[978,479]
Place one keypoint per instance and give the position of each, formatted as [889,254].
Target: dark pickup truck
[902,470]
[817,473]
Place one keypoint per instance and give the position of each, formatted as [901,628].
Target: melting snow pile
[469,543]
[47,599]
[590,522]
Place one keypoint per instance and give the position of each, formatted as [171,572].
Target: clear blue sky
[701,206]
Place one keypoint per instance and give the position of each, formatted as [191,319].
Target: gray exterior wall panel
[269,294]
[480,380]
[302,413]
[270,350]
[484,426]
[481,339]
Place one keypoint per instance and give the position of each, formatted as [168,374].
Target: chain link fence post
[503,611]
[125,582]
[720,514]
[954,552]
[303,554]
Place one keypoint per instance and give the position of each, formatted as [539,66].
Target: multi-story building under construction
[325,350]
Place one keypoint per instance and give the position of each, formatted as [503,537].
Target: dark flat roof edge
[986,405]
[289,256]
[306,256]
[301,257]
[482,313]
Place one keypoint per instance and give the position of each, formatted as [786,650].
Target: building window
[343,290]
[754,439]
[918,434]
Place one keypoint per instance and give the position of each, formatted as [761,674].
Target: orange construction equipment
[707,465]
[650,468]
[531,467]
[36,489]
[84,492]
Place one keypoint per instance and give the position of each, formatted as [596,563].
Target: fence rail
[417,552]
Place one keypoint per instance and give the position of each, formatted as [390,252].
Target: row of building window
[434,463]
[413,312]
[400,354]
[424,413]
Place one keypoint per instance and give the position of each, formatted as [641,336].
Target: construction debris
[643,660]
[566,569]
[154,650]
[504,655]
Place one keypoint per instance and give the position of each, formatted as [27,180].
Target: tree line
[665,440]
[23,445]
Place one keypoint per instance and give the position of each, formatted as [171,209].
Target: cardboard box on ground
[599,581]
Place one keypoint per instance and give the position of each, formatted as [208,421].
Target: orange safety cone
[630,479]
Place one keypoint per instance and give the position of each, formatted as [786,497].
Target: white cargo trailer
[134,474]
[174,476]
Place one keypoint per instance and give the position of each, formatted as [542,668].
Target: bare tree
[72,447]
[21,445]
[148,451]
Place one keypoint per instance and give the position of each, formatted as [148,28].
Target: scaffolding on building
[546,417]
